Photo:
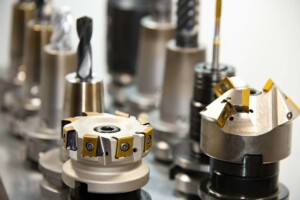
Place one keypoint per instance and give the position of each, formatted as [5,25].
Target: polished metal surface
[178,82]
[244,121]
[171,120]
[228,147]
[152,55]
[22,13]
[52,186]
[144,95]
[55,65]
[108,153]
[282,194]
[82,96]
[22,182]
[37,35]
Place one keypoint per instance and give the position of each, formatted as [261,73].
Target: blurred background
[259,37]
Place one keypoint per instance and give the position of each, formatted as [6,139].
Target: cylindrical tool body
[56,65]
[178,82]
[82,96]
[22,13]
[145,94]
[152,53]
[191,165]
[250,180]
[37,35]
[123,30]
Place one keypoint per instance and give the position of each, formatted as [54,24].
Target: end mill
[246,133]
[59,59]
[191,165]
[170,121]
[156,30]
[83,93]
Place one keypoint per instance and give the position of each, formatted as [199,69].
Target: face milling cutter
[171,121]
[82,94]
[156,31]
[191,165]
[24,103]
[23,12]
[122,44]
[106,154]
[58,60]
[246,132]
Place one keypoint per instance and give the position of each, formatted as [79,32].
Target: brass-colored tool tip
[218,10]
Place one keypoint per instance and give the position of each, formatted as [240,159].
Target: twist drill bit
[187,23]
[161,10]
[216,43]
[84,50]
[61,22]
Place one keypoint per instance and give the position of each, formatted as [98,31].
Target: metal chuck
[23,103]
[83,93]
[171,120]
[106,154]
[156,31]
[123,29]
[59,59]
[191,165]
[246,133]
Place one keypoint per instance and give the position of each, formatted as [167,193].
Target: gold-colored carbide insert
[148,138]
[269,84]
[143,120]
[225,114]
[292,103]
[90,113]
[122,114]
[223,87]
[246,99]
[90,145]
[124,146]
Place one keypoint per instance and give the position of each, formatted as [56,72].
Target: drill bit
[187,23]
[61,22]
[161,11]
[216,42]
[84,50]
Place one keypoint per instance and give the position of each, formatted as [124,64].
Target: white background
[261,38]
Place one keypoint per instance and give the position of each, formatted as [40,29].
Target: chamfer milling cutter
[82,94]
[23,12]
[246,133]
[171,120]
[123,29]
[190,164]
[58,59]
[106,154]
[23,103]
[156,30]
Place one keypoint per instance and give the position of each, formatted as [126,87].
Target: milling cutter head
[244,121]
[108,139]
[110,147]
